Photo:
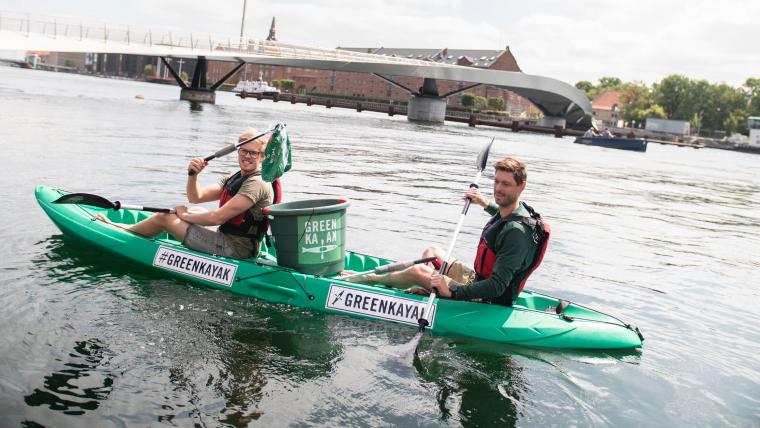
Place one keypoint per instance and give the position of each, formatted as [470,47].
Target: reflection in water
[216,367]
[241,359]
[474,388]
[79,387]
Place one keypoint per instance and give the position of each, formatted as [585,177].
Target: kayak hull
[532,322]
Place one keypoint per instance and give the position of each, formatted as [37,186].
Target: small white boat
[255,87]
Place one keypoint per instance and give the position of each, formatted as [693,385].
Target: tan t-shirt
[261,193]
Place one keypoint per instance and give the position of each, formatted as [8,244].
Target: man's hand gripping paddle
[481,164]
[232,147]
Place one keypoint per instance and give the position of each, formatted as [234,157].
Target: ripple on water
[655,239]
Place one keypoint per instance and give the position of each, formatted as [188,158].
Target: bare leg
[415,275]
[156,224]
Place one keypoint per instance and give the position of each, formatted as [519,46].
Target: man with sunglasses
[242,196]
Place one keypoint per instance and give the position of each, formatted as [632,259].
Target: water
[668,240]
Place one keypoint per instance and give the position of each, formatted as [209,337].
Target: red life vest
[485,259]
[243,223]
[277,191]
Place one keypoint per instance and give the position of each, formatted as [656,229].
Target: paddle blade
[85,199]
[483,155]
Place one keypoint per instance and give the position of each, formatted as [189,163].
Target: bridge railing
[73,29]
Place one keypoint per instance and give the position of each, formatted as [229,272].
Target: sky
[569,40]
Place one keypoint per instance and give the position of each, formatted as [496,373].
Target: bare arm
[232,208]
[195,193]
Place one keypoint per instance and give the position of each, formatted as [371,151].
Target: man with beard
[511,247]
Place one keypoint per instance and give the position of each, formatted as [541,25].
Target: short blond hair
[250,133]
[513,165]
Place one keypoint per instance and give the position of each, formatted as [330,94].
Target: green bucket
[310,236]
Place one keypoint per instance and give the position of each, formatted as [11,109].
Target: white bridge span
[554,98]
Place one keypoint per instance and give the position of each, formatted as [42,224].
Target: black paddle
[426,318]
[232,147]
[101,202]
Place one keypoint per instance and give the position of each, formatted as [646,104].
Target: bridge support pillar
[197,95]
[425,108]
[552,122]
[199,90]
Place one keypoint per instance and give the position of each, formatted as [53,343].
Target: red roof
[606,100]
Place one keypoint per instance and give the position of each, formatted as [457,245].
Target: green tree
[724,107]
[752,88]
[149,70]
[675,93]
[585,86]
[608,83]
[654,111]
[736,121]
[605,83]
[276,83]
[635,99]
[480,102]
[184,76]
[496,103]
[467,100]
[287,84]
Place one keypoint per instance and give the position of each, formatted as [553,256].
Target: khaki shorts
[213,242]
[460,273]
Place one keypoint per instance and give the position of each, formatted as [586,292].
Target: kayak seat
[129,217]
[360,262]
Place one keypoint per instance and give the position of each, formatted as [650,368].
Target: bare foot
[418,291]
[104,219]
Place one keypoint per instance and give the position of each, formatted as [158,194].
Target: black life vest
[243,223]
[485,259]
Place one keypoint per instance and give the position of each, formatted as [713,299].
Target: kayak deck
[533,321]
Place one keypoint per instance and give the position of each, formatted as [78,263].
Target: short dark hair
[513,165]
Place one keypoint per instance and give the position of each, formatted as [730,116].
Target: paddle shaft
[101,202]
[118,205]
[424,322]
[231,148]
[393,267]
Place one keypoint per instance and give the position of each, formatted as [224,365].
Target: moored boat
[536,320]
[255,87]
[635,144]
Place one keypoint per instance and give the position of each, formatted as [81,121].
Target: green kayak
[534,320]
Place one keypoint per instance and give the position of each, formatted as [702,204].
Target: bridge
[561,103]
